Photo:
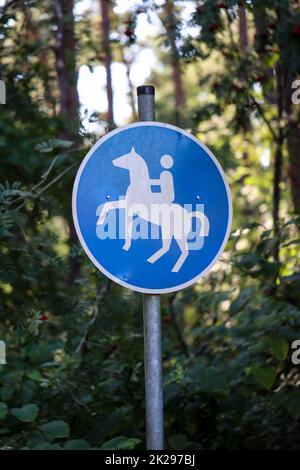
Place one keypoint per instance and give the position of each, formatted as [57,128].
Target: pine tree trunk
[278,162]
[105,6]
[294,166]
[66,65]
[32,34]
[69,100]
[292,130]
[243,28]
[131,92]
[244,44]
[175,61]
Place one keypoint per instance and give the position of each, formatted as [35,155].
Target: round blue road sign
[151,207]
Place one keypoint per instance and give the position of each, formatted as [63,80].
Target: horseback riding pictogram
[157,208]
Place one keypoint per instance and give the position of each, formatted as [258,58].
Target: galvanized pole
[152,323]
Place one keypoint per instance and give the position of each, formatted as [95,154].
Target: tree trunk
[278,162]
[244,45]
[292,132]
[131,90]
[294,166]
[32,33]
[276,194]
[181,341]
[261,26]
[292,128]
[69,100]
[243,28]
[180,99]
[66,65]
[105,6]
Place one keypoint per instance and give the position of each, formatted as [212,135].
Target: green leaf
[264,376]
[36,437]
[4,431]
[3,410]
[207,379]
[7,392]
[279,348]
[34,375]
[120,442]
[241,301]
[178,442]
[76,444]
[292,403]
[55,430]
[27,413]
[215,381]
[47,446]
[278,398]
[266,245]
[248,261]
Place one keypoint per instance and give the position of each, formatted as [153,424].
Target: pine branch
[180,338]
[96,312]
[264,118]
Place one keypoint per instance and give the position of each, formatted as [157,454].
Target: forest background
[225,71]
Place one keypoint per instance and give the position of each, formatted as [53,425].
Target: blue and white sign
[151,207]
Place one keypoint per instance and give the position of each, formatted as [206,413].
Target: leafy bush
[74,372]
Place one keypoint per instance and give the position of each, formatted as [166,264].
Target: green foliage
[264,375]
[279,348]
[26,413]
[3,410]
[55,430]
[120,442]
[292,403]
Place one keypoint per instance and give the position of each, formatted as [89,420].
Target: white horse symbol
[156,208]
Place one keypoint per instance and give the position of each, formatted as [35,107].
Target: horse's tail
[204,227]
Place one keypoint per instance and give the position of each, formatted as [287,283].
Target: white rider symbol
[154,207]
[166,183]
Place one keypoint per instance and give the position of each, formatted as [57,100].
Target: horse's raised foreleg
[108,206]
[128,233]
[182,243]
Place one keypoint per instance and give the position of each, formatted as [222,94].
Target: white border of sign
[76,223]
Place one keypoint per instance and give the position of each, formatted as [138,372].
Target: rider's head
[166,161]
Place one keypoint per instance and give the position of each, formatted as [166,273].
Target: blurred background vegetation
[74,373]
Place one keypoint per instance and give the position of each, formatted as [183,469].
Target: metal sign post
[115,201]
[152,323]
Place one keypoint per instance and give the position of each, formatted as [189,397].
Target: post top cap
[146,90]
